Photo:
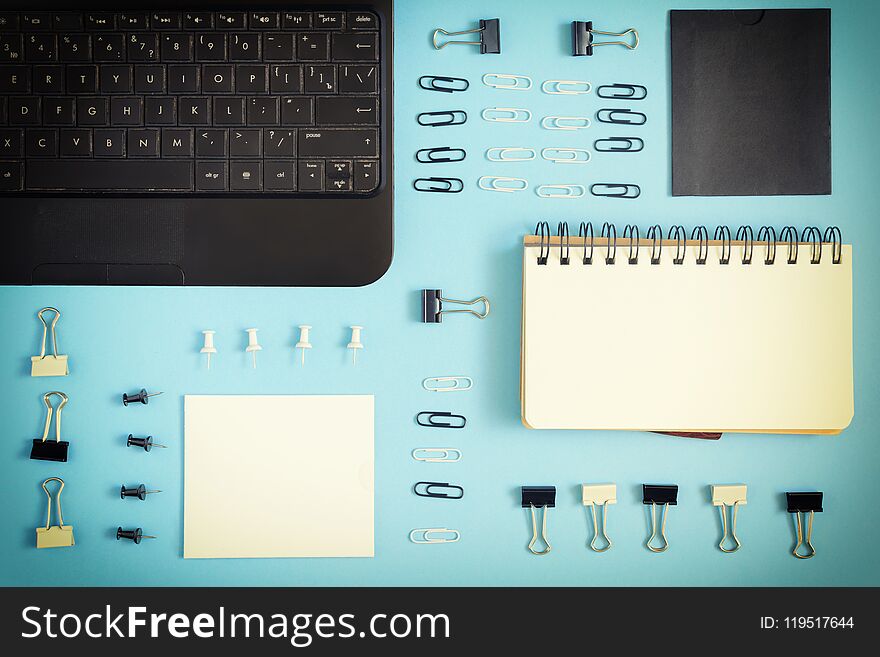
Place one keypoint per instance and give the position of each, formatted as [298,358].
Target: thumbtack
[253,346]
[304,343]
[139,492]
[147,443]
[209,347]
[143,397]
[355,343]
[136,535]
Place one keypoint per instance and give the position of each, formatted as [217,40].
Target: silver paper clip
[507,81]
[510,154]
[599,495]
[437,454]
[502,184]
[566,155]
[566,122]
[561,191]
[434,535]
[506,114]
[54,365]
[448,383]
[564,87]
[731,495]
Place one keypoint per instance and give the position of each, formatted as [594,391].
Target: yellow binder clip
[59,535]
[46,365]
[731,495]
[599,495]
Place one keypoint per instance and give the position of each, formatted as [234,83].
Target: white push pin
[355,343]
[209,347]
[303,343]
[253,346]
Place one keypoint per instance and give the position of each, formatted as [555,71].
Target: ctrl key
[211,176]
[10,177]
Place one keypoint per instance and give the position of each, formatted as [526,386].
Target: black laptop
[213,144]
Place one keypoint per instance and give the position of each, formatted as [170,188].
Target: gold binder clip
[800,504]
[59,535]
[599,495]
[539,497]
[733,496]
[45,365]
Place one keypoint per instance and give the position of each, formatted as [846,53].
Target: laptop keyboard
[223,102]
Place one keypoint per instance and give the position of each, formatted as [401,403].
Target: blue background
[468,244]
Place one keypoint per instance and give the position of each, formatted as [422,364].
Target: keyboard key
[217,79]
[126,110]
[366,177]
[210,176]
[229,111]
[24,111]
[328,20]
[41,143]
[15,79]
[245,143]
[143,143]
[11,179]
[231,20]
[149,79]
[82,79]
[102,20]
[194,111]
[69,20]
[11,49]
[183,79]
[160,110]
[362,20]
[109,48]
[75,142]
[244,48]
[337,143]
[348,110]
[211,143]
[312,47]
[338,170]
[296,20]
[97,175]
[32,21]
[177,142]
[211,47]
[165,20]
[279,176]
[109,143]
[75,48]
[296,111]
[320,79]
[58,111]
[262,110]
[285,79]
[92,111]
[245,175]
[278,47]
[48,79]
[310,176]
[143,47]
[176,48]
[10,143]
[8,20]
[264,20]
[357,46]
[250,79]
[198,20]
[278,142]
[133,20]
[40,48]
[115,79]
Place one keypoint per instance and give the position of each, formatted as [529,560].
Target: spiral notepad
[653,332]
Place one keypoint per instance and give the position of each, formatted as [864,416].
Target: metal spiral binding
[745,237]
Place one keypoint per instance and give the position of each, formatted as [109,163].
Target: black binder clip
[620,91]
[439,489]
[145,443]
[48,450]
[441,118]
[450,421]
[664,496]
[489,41]
[432,306]
[443,83]
[134,535]
[440,185]
[440,154]
[798,504]
[616,190]
[620,116]
[582,38]
[539,497]
[142,396]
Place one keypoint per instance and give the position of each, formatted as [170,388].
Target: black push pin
[141,397]
[136,535]
[140,492]
[147,443]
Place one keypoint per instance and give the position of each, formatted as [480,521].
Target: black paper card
[751,102]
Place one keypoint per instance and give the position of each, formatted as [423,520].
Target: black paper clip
[489,41]
[48,450]
[432,306]
[538,497]
[438,489]
[453,117]
[440,185]
[436,83]
[616,190]
[619,145]
[440,154]
[620,91]
[582,38]
[620,116]
[452,421]
[659,496]
[798,504]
